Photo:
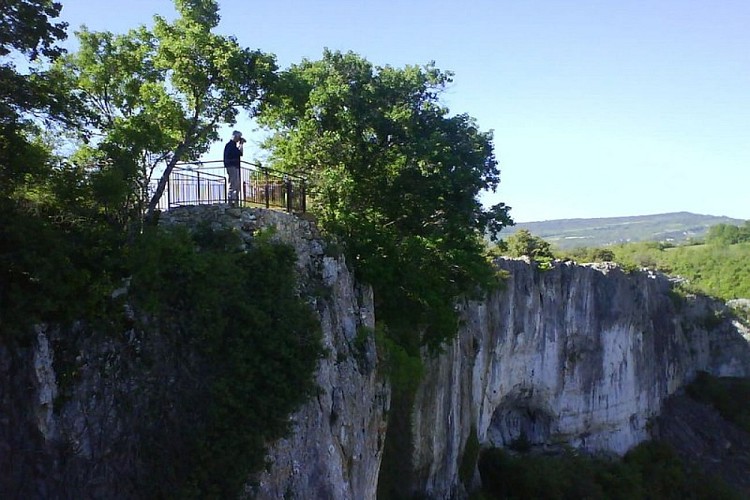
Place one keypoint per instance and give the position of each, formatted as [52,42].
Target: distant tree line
[728,234]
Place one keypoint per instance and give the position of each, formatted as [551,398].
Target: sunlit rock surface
[574,355]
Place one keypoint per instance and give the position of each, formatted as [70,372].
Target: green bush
[650,470]
[246,348]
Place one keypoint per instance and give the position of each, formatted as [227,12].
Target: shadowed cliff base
[697,429]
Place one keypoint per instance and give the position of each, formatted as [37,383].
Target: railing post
[268,189]
[198,175]
[289,194]
[240,201]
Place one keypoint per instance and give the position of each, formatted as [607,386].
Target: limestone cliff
[581,355]
[577,355]
[72,403]
[336,441]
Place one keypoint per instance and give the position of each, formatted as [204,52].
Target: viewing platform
[206,183]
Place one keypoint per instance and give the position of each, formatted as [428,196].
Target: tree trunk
[154,201]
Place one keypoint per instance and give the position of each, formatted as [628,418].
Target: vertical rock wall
[336,440]
[574,355]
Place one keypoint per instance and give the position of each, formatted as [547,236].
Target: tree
[27,28]
[28,32]
[728,234]
[394,177]
[523,243]
[159,95]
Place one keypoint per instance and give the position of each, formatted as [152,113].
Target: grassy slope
[721,271]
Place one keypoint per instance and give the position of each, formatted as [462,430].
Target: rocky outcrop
[573,355]
[705,440]
[73,401]
[336,440]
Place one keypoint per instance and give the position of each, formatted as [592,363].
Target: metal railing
[205,183]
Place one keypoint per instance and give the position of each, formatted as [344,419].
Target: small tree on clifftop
[523,243]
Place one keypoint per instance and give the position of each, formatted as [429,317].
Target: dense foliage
[157,96]
[717,269]
[53,271]
[243,349]
[395,179]
[28,27]
[225,348]
[650,470]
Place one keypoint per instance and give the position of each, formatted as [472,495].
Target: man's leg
[234,184]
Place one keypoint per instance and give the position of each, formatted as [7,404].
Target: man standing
[232,154]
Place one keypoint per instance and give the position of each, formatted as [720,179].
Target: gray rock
[580,356]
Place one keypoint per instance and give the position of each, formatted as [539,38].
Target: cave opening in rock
[519,423]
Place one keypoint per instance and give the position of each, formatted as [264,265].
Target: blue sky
[599,108]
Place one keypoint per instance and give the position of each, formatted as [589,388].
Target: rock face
[336,443]
[577,355]
[69,416]
[701,437]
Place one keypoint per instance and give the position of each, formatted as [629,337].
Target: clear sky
[599,108]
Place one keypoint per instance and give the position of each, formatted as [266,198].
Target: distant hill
[673,227]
